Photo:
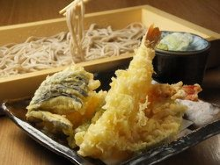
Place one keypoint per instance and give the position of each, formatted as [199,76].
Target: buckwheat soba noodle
[77,45]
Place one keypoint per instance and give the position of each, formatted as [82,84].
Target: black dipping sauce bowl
[187,66]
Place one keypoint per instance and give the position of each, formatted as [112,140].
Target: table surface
[17,148]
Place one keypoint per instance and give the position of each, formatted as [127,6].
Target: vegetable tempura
[135,114]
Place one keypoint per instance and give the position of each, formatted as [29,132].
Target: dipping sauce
[180,56]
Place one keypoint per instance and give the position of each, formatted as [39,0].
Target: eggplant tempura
[135,114]
[64,101]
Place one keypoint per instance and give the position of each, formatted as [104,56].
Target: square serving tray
[25,85]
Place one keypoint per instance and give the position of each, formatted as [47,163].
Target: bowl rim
[183,53]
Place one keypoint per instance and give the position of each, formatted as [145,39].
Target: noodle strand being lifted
[74,19]
[39,53]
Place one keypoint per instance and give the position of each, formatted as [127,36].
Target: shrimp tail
[152,37]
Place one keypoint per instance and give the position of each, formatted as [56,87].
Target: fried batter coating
[133,119]
[65,99]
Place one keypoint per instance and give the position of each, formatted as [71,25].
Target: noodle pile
[70,47]
[101,43]
[35,54]
[49,52]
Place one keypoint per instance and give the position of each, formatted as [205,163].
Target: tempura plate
[16,110]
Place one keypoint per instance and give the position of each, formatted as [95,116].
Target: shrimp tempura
[129,122]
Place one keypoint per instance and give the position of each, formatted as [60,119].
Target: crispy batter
[135,114]
[134,117]
[67,98]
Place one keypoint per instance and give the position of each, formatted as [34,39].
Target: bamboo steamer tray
[25,85]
